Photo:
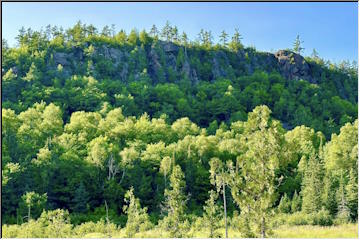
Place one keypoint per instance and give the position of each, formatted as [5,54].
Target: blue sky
[330,28]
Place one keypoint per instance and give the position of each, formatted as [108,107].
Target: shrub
[10,231]
[322,218]
[99,227]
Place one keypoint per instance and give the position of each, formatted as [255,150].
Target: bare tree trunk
[224,197]
[107,218]
[29,209]
[122,177]
[263,227]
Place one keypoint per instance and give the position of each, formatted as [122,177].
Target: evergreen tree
[352,195]
[253,181]
[297,46]
[295,203]
[235,43]
[311,185]
[329,194]
[166,32]
[137,217]
[175,205]
[154,32]
[343,214]
[285,204]
[81,199]
[224,38]
[212,214]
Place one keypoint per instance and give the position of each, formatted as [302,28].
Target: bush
[99,227]
[322,218]
[298,218]
[10,231]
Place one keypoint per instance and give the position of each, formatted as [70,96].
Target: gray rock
[293,65]
[62,58]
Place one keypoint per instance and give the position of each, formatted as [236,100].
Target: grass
[306,231]
[341,231]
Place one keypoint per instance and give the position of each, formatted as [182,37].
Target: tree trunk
[122,177]
[263,227]
[224,197]
[29,212]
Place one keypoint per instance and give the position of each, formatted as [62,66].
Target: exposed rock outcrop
[293,66]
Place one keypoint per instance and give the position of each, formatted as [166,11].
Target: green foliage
[138,220]
[88,113]
[175,205]
[312,182]
[295,203]
[34,204]
[212,215]
[285,204]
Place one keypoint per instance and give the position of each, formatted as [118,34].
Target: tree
[219,177]
[343,214]
[166,31]
[253,179]
[175,205]
[285,204]
[165,167]
[329,193]
[154,32]
[184,39]
[315,54]
[137,218]
[235,43]
[311,184]
[33,75]
[35,201]
[224,38]
[81,199]
[297,46]
[352,195]
[295,203]
[128,156]
[212,215]
[56,223]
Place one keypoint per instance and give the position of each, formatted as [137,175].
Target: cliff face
[162,56]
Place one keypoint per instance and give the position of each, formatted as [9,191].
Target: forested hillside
[150,133]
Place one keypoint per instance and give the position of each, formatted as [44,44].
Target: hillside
[149,135]
[208,83]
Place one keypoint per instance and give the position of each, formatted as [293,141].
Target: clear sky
[330,28]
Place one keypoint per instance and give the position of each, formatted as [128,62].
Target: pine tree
[154,32]
[343,214]
[298,45]
[311,184]
[352,195]
[224,38]
[329,194]
[175,205]
[295,203]
[212,214]
[285,204]
[235,43]
[137,217]
[166,32]
[253,181]
[81,199]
